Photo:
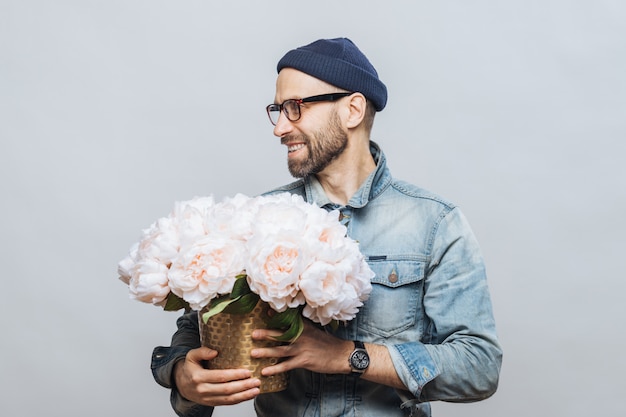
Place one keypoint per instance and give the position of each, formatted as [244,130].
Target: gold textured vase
[231,336]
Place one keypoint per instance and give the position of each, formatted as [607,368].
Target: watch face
[360,360]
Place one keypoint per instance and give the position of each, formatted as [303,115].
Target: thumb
[201,354]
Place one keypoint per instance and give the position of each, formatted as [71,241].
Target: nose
[283,126]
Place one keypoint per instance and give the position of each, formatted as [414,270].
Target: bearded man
[426,333]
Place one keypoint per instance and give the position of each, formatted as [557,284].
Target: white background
[112,110]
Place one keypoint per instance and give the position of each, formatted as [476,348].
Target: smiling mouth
[295,147]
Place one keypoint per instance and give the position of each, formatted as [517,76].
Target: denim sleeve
[459,357]
[187,337]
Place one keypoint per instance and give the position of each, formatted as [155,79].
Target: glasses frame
[313,99]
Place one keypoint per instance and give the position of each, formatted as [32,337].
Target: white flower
[201,204]
[274,267]
[322,281]
[145,268]
[323,226]
[159,242]
[360,278]
[148,282]
[126,265]
[190,219]
[231,217]
[206,269]
[279,212]
[335,291]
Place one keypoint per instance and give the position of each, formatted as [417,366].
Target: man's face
[318,138]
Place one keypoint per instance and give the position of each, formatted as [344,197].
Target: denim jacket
[429,306]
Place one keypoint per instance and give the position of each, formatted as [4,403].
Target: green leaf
[290,321]
[294,331]
[175,303]
[219,299]
[243,305]
[240,287]
[283,319]
[217,308]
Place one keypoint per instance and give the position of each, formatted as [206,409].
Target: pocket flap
[396,272]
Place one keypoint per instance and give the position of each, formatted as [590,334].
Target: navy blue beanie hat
[340,63]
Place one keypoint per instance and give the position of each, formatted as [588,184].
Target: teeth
[294,148]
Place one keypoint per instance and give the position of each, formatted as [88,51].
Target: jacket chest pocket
[395,303]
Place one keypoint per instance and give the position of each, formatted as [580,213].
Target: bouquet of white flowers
[224,257]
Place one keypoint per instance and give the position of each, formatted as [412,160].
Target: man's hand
[315,350]
[319,351]
[212,386]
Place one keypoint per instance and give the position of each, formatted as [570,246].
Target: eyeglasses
[291,107]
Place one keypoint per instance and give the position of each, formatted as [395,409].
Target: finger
[230,399]
[279,368]
[228,393]
[221,376]
[273,352]
[229,388]
[265,334]
[200,354]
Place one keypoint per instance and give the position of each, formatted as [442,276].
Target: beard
[329,142]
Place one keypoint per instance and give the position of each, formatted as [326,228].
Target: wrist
[359,359]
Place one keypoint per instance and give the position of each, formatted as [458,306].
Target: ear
[356,110]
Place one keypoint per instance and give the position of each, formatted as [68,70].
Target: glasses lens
[292,110]
[273,111]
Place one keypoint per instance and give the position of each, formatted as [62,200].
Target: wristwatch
[359,359]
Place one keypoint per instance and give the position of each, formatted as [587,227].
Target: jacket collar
[372,187]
